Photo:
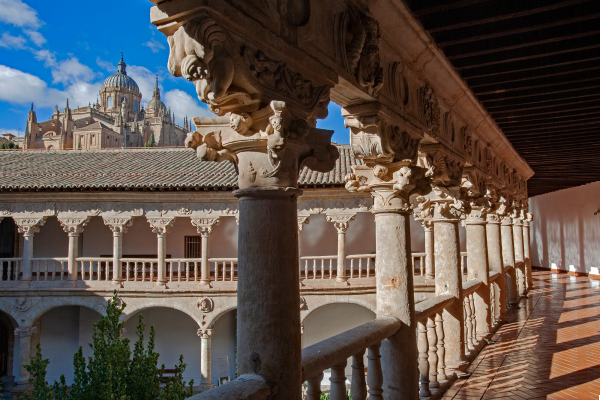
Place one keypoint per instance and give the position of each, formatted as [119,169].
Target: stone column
[478,268]
[443,207]
[390,183]
[341,223]
[161,226]
[429,264]
[118,226]
[526,250]
[519,259]
[205,359]
[494,245]
[508,258]
[73,226]
[205,227]
[28,227]
[24,334]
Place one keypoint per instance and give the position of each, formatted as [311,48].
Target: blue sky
[54,50]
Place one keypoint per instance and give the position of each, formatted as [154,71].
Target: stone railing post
[205,227]
[494,245]
[341,223]
[444,209]
[24,335]
[519,259]
[389,175]
[161,226]
[266,126]
[508,259]
[205,359]
[118,226]
[28,227]
[429,264]
[527,250]
[73,226]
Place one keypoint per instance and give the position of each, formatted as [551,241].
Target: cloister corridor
[547,349]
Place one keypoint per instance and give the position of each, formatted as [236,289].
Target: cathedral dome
[120,79]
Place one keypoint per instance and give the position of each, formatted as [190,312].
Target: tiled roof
[165,168]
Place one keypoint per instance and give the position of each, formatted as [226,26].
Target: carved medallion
[303,305]
[22,304]
[206,304]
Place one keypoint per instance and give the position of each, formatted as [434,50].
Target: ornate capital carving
[73,225]
[475,216]
[341,221]
[426,223]
[438,206]
[441,167]
[25,331]
[29,226]
[303,219]
[506,220]
[492,218]
[160,226]
[205,226]
[118,225]
[205,333]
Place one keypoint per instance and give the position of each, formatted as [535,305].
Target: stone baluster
[494,244]
[429,264]
[389,175]
[493,303]
[24,335]
[519,258]
[73,226]
[443,207]
[526,249]
[28,227]
[338,381]
[205,359]
[468,324]
[441,349]
[474,319]
[423,346]
[118,226]
[375,374]
[359,385]
[341,223]
[205,226]
[161,226]
[508,258]
[313,391]
[432,353]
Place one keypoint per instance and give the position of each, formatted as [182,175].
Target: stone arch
[136,305]
[42,305]
[224,305]
[371,306]
[7,343]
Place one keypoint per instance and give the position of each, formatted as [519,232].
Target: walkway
[548,349]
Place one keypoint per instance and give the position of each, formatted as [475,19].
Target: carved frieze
[429,108]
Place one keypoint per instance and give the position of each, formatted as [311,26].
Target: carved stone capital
[29,226]
[341,221]
[427,225]
[475,216]
[492,218]
[73,225]
[506,221]
[205,333]
[442,168]
[25,331]
[529,218]
[160,226]
[303,219]
[440,204]
[118,225]
[205,226]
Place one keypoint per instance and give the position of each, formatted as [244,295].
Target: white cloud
[182,104]
[145,79]
[12,42]
[35,36]
[17,13]
[154,45]
[48,57]
[71,70]
[108,66]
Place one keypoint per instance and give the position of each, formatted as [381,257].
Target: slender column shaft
[519,259]
[395,298]
[429,266]
[72,255]
[527,254]
[205,359]
[117,255]
[341,256]
[508,259]
[162,251]
[27,256]
[269,339]
[494,245]
[478,268]
[205,273]
[24,334]
[448,280]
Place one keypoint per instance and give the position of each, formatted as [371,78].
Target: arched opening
[331,320]
[176,334]
[7,345]
[9,244]
[109,102]
[224,348]
[60,332]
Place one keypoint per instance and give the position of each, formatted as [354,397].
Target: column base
[206,386]
[459,369]
[119,283]
[160,285]
[341,282]
[21,388]
[24,284]
[206,284]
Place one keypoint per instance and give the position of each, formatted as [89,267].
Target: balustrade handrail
[92,258]
[416,254]
[223,259]
[355,256]
[247,386]
[432,306]
[46,259]
[323,355]
[493,276]
[318,257]
[471,286]
[130,259]
[11,259]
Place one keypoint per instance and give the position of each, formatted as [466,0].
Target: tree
[150,142]
[9,145]
[113,372]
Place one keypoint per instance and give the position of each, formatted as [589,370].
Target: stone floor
[548,349]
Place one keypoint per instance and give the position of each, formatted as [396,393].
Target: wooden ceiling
[535,66]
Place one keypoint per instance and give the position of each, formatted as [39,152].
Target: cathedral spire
[122,67]
[156,92]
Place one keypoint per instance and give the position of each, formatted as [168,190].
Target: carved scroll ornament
[430,110]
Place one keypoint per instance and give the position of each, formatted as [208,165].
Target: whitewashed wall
[565,232]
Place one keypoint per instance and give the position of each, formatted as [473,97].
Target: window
[135,105]
[109,102]
[193,247]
